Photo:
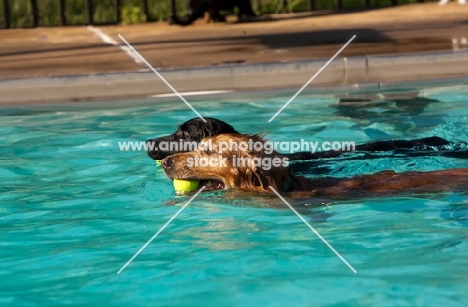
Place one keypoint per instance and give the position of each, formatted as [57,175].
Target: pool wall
[351,71]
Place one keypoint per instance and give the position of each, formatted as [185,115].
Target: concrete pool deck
[410,42]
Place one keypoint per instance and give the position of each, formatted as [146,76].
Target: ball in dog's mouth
[182,186]
[185,186]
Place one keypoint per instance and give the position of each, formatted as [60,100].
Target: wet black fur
[195,130]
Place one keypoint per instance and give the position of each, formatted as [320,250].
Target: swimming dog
[253,175]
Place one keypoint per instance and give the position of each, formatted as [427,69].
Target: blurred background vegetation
[132,10]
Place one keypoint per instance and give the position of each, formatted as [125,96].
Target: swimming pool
[75,209]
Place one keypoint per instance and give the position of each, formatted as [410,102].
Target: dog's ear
[197,129]
[215,126]
[257,178]
[254,179]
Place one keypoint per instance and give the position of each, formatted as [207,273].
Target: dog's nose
[167,162]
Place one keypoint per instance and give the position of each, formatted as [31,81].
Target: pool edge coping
[352,72]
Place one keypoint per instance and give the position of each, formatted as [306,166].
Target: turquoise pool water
[74,209]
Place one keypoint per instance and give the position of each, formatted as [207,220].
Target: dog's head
[187,137]
[232,161]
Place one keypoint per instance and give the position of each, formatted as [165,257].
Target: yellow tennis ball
[181,185]
[158,162]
